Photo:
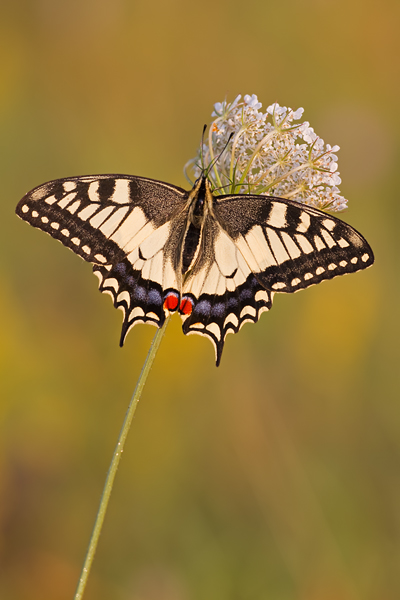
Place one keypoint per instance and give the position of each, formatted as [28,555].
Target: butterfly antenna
[201,149]
[216,159]
[221,187]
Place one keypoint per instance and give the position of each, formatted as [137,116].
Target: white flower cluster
[269,153]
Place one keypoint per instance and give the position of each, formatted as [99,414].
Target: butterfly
[217,260]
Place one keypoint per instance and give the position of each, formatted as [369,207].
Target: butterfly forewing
[289,246]
[126,226]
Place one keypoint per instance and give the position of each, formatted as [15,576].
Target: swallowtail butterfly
[217,260]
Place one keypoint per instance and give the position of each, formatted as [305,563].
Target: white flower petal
[297,114]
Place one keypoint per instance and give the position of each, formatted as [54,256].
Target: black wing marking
[290,246]
[128,227]
[220,293]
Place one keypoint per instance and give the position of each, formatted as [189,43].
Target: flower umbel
[271,153]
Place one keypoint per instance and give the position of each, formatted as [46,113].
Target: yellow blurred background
[277,475]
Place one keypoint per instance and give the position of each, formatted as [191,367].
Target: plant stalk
[101,513]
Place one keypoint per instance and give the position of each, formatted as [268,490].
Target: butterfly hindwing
[126,227]
[220,293]
[149,277]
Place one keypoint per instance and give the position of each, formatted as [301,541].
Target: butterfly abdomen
[190,246]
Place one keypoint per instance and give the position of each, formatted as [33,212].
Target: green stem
[257,149]
[115,462]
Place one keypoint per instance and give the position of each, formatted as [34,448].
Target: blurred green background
[276,476]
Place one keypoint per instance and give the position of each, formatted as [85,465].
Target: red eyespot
[171,302]
[186,306]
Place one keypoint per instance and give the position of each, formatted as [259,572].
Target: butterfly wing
[290,246]
[259,245]
[130,228]
[220,293]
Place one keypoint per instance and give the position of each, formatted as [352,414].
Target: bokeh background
[276,476]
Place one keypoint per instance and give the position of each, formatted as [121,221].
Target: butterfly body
[216,260]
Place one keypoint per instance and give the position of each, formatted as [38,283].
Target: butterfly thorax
[200,201]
